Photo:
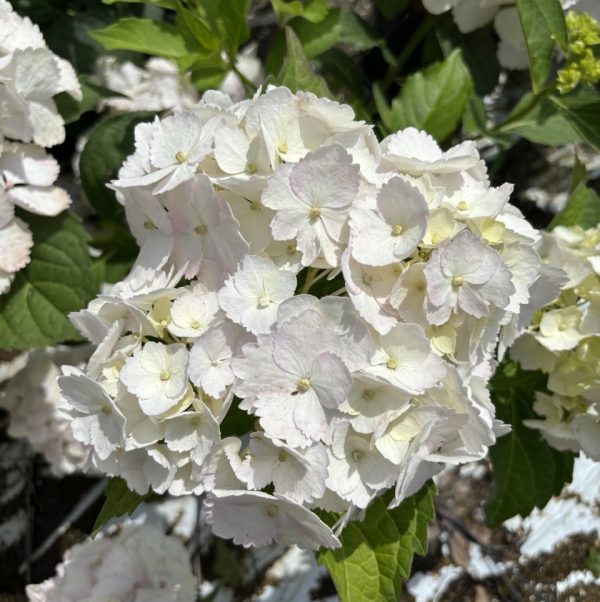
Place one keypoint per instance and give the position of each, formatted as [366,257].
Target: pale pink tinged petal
[49,200]
[180,174]
[331,379]
[180,133]
[326,177]
[231,149]
[471,302]
[15,244]
[310,416]
[146,179]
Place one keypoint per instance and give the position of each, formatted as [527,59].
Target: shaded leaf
[582,109]
[58,280]
[527,471]
[582,209]
[107,147]
[71,110]
[543,24]
[119,500]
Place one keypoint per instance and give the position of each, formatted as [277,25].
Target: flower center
[106,409]
[462,206]
[562,326]
[457,280]
[165,375]
[357,455]
[196,324]
[272,510]
[291,248]
[315,212]
[201,229]
[149,225]
[304,384]
[397,230]
[367,279]
[264,301]
[391,364]
[282,148]
[251,168]
[368,394]
[282,455]
[180,156]
[255,206]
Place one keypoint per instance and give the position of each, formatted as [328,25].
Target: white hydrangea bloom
[139,563]
[157,376]
[256,518]
[252,295]
[374,375]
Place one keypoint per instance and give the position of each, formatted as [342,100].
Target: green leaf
[312,10]
[543,24]
[356,33]
[377,553]
[582,209]
[297,72]
[542,125]
[119,500]
[527,471]
[107,147]
[582,109]
[172,4]
[320,37]
[58,280]
[433,99]
[149,37]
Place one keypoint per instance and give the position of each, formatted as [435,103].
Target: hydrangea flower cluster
[30,76]
[154,87]
[31,397]
[563,341]
[347,294]
[470,15]
[137,564]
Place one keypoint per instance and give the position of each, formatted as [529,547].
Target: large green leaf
[108,146]
[297,72]
[119,500]
[225,20]
[146,36]
[357,33]
[58,280]
[433,99]
[582,209]
[582,109]
[377,553]
[527,471]
[543,24]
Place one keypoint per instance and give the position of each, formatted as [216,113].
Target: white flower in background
[252,295]
[250,66]
[156,86]
[139,563]
[32,398]
[30,75]
[157,376]
[258,519]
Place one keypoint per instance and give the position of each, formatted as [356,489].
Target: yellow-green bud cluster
[582,66]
